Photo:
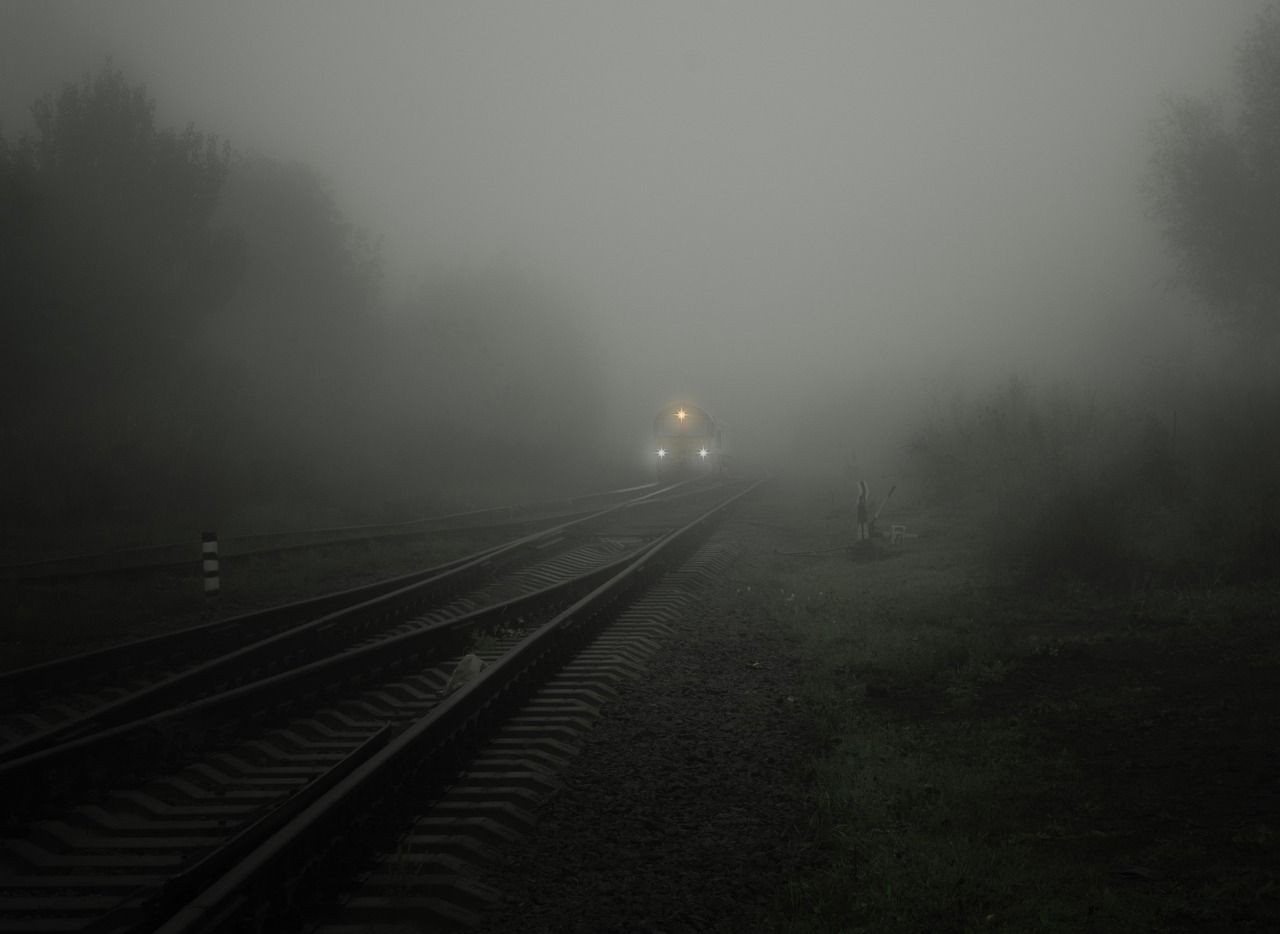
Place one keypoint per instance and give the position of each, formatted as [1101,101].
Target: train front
[686,442]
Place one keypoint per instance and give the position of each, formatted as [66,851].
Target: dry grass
[1022,760]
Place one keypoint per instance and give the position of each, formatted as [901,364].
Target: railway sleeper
[36,859]
[61,834]
[388,911]
[150,804]
[99,818]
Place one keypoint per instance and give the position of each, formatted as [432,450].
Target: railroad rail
[188,553]
[125,826]
[56,701]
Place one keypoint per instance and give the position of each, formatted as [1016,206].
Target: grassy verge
[1023,761]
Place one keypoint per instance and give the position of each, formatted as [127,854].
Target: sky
[756,204]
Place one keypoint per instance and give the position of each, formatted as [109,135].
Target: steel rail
[17,685]
[182,554]
[28,784]
[304,641]
[427,753]
[144,903]
[432,524]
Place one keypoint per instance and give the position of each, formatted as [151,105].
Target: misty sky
[753,201]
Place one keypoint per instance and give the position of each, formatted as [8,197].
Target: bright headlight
[702,453]
[662,452]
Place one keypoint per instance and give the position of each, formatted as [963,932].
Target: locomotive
[687,441]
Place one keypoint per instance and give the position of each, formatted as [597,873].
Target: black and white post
[209,554]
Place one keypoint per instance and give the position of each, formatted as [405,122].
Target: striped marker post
[209,554]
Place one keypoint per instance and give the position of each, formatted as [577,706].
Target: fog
[808,218]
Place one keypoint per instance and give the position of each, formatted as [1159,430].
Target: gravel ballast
[686,809]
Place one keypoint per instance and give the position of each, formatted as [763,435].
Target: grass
[995,759]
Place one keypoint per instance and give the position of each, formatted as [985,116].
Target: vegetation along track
[116,830]
[60,700]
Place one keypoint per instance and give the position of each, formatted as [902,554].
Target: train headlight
[662,452]
[702,453]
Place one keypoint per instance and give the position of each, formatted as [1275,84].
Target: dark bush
[1066,491]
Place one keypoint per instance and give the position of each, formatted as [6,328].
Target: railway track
[431,875]
[56,701]
[208,809]
[177,555]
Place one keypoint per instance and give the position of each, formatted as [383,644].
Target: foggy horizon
[576,466]
[754,207]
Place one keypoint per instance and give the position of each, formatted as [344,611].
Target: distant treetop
[1214,186]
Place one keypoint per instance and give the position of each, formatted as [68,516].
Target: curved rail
[151,724]
[181,554]
[297,632]
[425,753]
[44,784]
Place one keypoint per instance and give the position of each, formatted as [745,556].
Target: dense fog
[287,261]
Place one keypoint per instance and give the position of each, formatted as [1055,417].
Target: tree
[108,263]
[299,333]
[494,370]
[107,252]
[1215,188]
[301,253]
[181,328]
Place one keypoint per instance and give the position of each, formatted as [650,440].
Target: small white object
[209,563]
[467,668]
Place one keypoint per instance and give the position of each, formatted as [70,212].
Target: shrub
[1063,489]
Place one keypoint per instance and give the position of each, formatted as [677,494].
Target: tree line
[1214,187]
[1186,494]
[190,332]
